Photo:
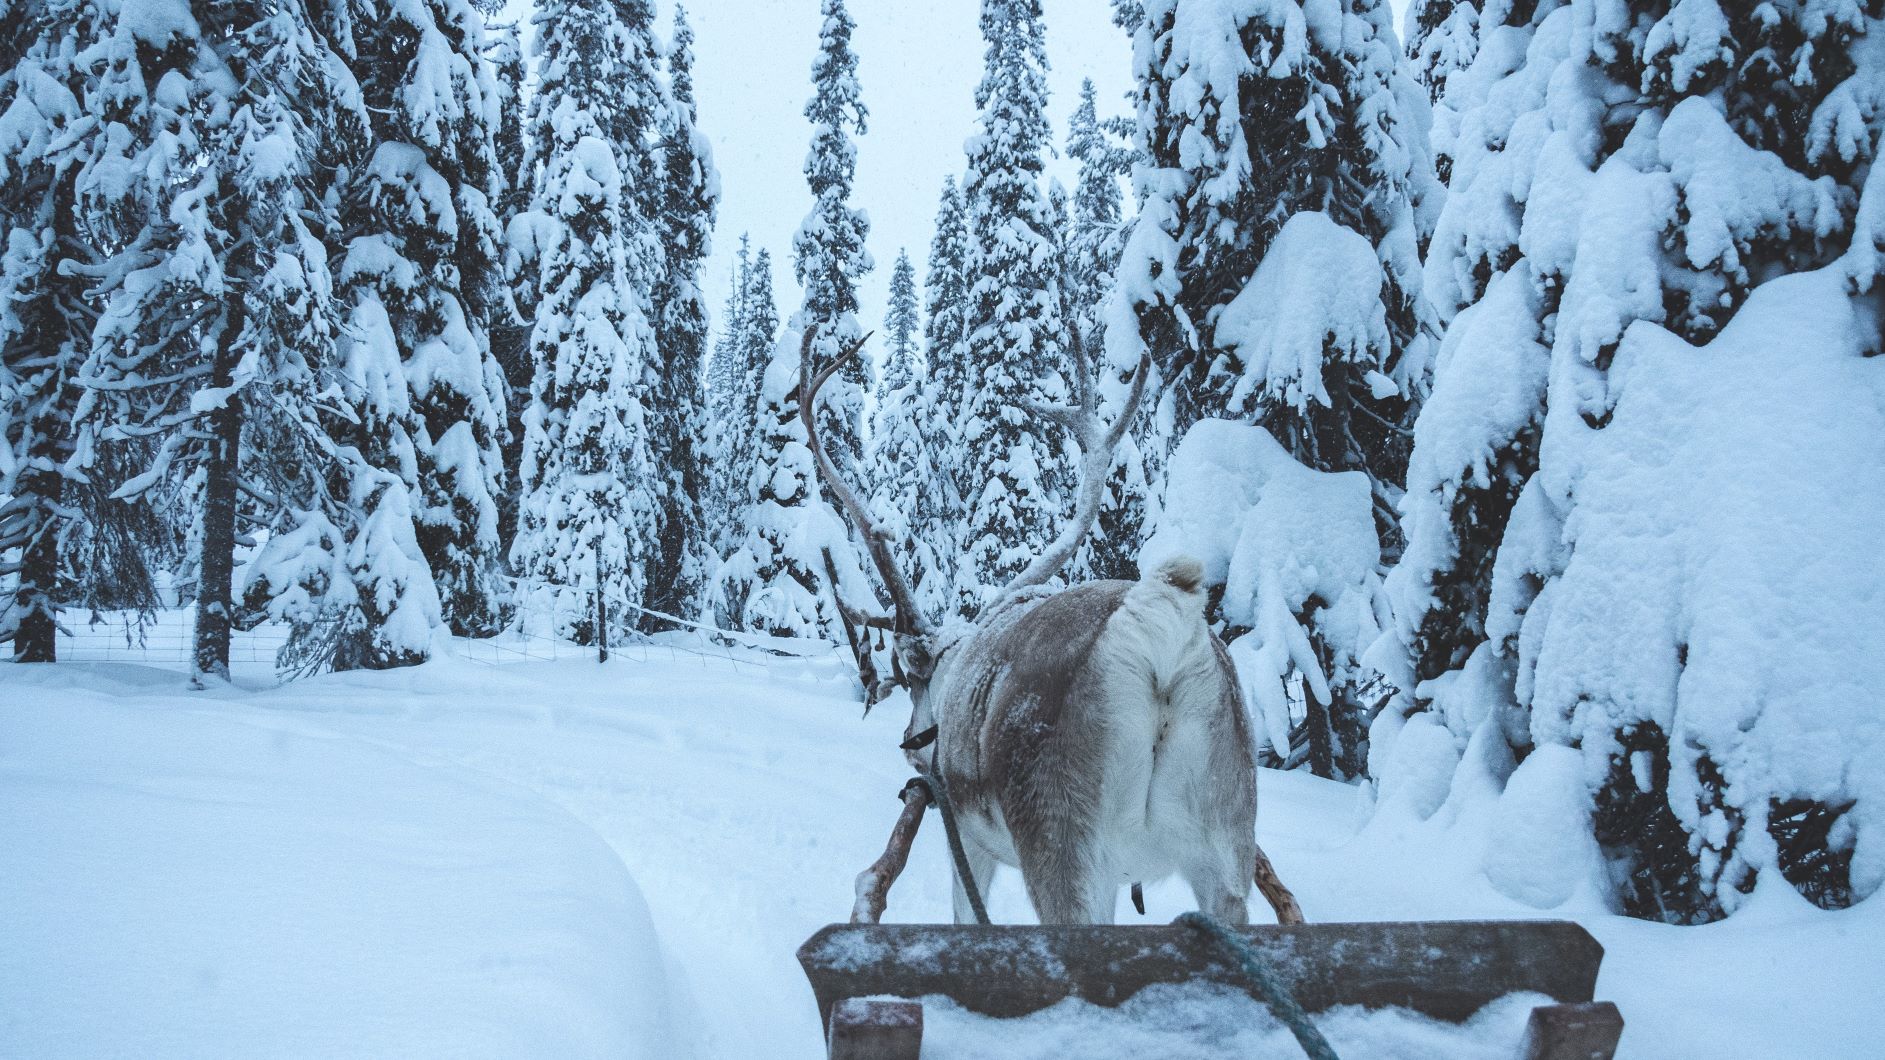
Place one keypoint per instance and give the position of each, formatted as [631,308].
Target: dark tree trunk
[671,591]
[216,563]
[1321,736]
[510,346]
[38,591]
[33,640]
[43,503]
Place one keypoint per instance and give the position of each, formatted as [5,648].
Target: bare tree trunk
[1321,740]
[602,611]
[216,562]
[33,640]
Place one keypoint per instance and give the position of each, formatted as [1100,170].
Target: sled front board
[1445,969]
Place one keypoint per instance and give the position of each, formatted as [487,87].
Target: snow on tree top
[1262,523]
[154,22]
[1317,292]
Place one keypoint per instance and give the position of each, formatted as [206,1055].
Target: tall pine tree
[510,332]
[690,189]
[420,271]
[829,258]
[828,250]
[746,460]
[217,340]
[1016,469]
[45,323]
[903,444]
[589,531]
[724,383]
[940,516]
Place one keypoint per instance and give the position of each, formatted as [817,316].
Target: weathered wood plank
[1446,969]
[1588,1031]
[875,1029]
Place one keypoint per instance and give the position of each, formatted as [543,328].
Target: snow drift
[180,883]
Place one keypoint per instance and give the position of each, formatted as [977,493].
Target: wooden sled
[869,977]
[1443,969]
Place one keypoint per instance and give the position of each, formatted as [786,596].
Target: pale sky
[918,64]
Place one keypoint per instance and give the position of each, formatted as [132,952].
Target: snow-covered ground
[504,856]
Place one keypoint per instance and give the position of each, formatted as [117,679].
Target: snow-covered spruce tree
[828,250]
[724,383]
[1250,114]
[217,335]
[945,325]
[1016,467]
[1604,576]
[1093,247]
[45,325]
[689,190]
[779,580]
[944,395]
[421,251]
[1273,272]
[747,464]
[1098,229]
[902,323]
[1442,40]
[829,258]
[510,332]
[64,541]
[587,535]
[903,443]
[1442,36]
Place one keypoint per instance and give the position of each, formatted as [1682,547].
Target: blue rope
[940,791]
[1272,990]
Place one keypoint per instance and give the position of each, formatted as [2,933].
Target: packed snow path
[444,861]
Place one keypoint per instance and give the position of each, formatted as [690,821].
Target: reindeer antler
[1097,443]
[907,618]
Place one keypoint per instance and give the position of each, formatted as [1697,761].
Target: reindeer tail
[1183,573]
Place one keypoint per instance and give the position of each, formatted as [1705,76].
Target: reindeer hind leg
[1064,883]
[1219,879]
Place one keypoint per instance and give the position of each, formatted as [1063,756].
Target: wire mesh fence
[166,640]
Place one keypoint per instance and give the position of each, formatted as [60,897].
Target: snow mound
[174,882]
[1722,577]
[1282,539]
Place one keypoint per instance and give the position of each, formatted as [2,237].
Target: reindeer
[1093,736]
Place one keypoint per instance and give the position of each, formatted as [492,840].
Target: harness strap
[940,792]
[1269,987]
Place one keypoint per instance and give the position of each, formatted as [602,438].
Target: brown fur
[1031,724]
